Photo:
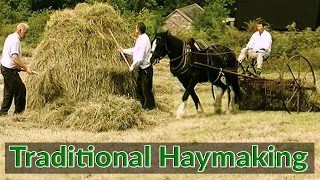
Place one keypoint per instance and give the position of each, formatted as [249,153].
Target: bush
[7,29]
[14,11]
[37,23]
[151,19]
[211,21]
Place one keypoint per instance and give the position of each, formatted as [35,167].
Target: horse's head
[159,48]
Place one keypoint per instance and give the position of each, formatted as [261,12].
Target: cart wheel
[298,84]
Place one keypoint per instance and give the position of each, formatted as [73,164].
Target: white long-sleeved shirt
[263,41]
[12,45]
[140,52]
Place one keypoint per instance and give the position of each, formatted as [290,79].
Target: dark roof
[279,13]
[189,12]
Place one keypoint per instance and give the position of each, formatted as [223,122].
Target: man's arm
[128,51]
[16,59]
[14,54]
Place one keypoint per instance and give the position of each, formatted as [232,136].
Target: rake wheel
[298,84]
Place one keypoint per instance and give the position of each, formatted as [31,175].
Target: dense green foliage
[38,22]
[209,26]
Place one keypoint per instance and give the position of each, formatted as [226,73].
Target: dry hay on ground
[79,63]
[94,115]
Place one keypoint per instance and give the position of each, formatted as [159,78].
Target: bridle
[166,49]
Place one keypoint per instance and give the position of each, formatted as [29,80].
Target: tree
[151,19]
[13,11]
[212,20]
[129,5]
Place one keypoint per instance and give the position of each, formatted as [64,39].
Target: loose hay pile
[79,65]
[266,94]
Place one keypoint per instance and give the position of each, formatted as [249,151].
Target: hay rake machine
[294,90]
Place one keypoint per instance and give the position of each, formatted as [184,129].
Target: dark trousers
[15,89]
[144,88]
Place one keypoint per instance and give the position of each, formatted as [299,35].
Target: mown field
[245,126]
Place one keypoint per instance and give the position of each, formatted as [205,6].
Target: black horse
[187,63]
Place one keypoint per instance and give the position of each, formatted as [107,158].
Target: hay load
[268,94]
[80,67]
[78,58]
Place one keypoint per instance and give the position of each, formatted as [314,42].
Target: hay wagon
[294,90]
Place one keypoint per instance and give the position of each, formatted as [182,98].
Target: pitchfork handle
[119,47]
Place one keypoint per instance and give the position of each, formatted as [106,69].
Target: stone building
[182,18]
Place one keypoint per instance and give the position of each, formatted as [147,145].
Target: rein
[201,53]
[182,67]
[209,54]
[190,52]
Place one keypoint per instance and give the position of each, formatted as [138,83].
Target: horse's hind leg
[221,87]
[233,85]
[216,108]
[231,101]
[218,100]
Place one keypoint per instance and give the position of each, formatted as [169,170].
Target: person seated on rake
[258,47]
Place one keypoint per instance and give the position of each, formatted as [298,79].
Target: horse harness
[187,60]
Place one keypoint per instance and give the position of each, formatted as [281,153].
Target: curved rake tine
[299,68]
[306,101]
[292,96]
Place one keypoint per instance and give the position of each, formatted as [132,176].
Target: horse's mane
[176,42]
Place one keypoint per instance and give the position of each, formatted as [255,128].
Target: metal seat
[251,62]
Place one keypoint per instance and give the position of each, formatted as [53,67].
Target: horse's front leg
[180,111]
[196,101]
[199,108]
[189,87]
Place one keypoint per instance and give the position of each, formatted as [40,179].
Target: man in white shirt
[140,53]
[11,64]
[258,47]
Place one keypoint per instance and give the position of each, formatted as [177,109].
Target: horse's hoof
[229,112]
[217,111]
[200,112]
[200,115]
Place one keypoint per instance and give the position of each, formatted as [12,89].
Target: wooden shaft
[223,70]
[119,47]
